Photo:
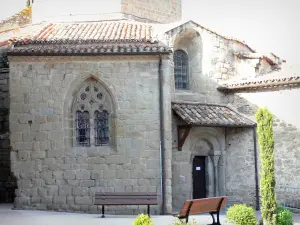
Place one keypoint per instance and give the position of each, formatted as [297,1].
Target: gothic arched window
[181,69]
[92,108]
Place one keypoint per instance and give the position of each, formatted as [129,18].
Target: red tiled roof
[92,32]
[90,38]
[287,77]
[89,49]
[210,115]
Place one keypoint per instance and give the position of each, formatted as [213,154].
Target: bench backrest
[124,198]
[204,205]
[207,205]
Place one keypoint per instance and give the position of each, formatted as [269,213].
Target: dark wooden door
[199,184]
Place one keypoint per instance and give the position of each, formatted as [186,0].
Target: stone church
[130,98]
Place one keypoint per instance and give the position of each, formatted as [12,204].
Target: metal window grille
[181,69]
[101,128]
[83,129]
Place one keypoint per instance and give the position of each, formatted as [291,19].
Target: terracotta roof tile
[90,38]
[92,32]
[210,115]
[89,49]
[288,76]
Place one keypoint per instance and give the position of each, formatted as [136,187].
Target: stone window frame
[179,86]
[92,104]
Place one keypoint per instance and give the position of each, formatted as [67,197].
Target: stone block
[110,174]
[28,136]
[150,174]
[39,119]
[58,175]
[86,201]
[35,127]
[41,136]
[86,183]
[24,155]
[97,174]
[64,190]
[25,118]
[47,200]
[16,136]
[123,174]
[35,200]
[69,175]
[55,153]
[52,118]
[83,174]
[80,191]
[44,145]
[38,154]
[152,164]
[143,182]
[55,135]
[60,200]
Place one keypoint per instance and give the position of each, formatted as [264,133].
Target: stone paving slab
[24,217]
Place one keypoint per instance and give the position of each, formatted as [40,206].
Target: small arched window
[181,69]
[92,109]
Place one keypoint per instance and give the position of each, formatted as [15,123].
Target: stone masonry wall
[286,135]
[240,170]
[211,61]
[53,175]
[162,11]
[7,184]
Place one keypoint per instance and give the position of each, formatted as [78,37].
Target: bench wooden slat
[124,198]
[205,205]
[185,208]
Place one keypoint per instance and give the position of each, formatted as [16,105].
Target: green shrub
[267,181]
[284,216]
[241,214]
[143,219]
[182,222]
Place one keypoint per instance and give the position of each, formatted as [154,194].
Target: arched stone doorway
[205,143]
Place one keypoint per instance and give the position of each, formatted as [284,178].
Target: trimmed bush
[284,216]
[143,219]
[241,214]
[267,182]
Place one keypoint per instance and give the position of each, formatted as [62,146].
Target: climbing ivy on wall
[267,181]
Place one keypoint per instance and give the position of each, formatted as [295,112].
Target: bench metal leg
[103,216]
[214,220]
[148,210]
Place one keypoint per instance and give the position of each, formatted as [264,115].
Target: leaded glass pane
[101,128]
[181,69]
[82,128]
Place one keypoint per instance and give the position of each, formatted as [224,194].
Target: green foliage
[182,222]
[241,214]
[267,182]
[284,216]
[143,219]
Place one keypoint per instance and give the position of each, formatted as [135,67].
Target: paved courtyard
[20,217]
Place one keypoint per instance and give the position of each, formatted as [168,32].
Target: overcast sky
[266,25]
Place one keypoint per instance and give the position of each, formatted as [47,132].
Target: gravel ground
[24,217]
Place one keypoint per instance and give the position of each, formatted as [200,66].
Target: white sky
[266,25]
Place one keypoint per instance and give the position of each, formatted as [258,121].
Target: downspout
[256,168]
[162,135]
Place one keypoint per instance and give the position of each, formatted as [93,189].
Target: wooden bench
[204,205]
[122,198]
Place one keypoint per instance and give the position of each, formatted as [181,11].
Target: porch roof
[210,115]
